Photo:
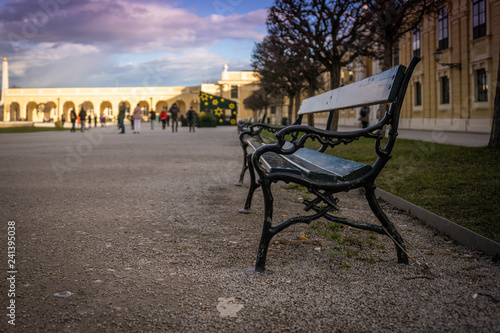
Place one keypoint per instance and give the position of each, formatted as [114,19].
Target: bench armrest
[301,133]
[325,137]
[255,129]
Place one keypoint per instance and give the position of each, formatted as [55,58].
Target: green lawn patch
[461,184]
[30,129]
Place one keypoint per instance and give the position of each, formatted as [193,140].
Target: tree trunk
[310,93]
[334,83]
[495,128]
[291,98]
[297,104]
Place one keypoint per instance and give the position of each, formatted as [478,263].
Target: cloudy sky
[105,43]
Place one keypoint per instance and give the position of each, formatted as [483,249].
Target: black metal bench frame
[283,160]
[244,124]
[250,138]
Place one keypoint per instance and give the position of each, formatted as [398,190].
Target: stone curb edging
[460,234]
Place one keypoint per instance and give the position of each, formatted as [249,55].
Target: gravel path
[143,230]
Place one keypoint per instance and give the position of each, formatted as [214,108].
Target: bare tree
[258,100]
[330,29]
[495,128]
[389,20]
[279,68]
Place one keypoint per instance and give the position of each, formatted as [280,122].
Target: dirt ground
[143,231]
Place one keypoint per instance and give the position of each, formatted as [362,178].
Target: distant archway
[46,111]
[15,112]
[182,107]
[67,107]
[160,105]
[106,109]
[196,105]
[144,108]
[31,108]
[88,107]
[127,105]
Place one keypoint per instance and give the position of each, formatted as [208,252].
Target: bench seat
[314,165]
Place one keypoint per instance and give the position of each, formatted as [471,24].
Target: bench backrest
[376,89]
[387,87]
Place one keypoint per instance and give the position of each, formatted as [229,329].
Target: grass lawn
[461,184]
[30,129]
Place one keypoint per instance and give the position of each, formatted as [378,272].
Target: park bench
[244,124]
[323,175]
[251,139]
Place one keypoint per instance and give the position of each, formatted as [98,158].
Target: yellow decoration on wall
[231,106]
[219,112]
[215,102]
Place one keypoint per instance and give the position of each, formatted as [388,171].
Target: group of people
[136,117]
[80,118]
[165,117]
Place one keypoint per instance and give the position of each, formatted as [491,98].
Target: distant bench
[251,139]
[323,175]
[243,124]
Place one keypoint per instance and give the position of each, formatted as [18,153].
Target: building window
[234,91]
[443,28]
[482,85]
[416,41]
[418,94]
[478,18]
[445,90]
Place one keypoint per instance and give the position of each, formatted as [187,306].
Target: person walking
[191,116]
[174,114]
[121,117]
[137,115]
[152,117]
[95,120]
[83,116]
[63,119]
[72,117]
[163,117]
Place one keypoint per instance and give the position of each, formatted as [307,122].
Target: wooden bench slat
[315,165]
[273,162]
[376,89]
[340,168]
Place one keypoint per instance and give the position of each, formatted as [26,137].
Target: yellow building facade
[49,104]
[453,87]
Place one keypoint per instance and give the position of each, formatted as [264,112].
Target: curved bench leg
[253,186]
[386,223]
[267,231]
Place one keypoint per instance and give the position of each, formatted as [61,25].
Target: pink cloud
[126,25]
